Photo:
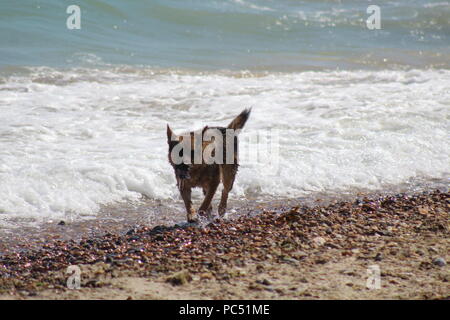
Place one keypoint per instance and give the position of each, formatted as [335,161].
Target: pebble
[378,257]
[319,241]
[179,278]
[321,261]
[433,249]
[439,262]
[290,260]
[264,282]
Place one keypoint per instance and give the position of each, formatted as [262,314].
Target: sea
[340,105]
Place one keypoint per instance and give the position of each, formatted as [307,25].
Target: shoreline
[118,218]
[295,252]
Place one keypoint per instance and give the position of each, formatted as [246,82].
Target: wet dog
[203,159]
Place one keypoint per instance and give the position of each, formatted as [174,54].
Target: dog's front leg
[206,207]
[186,195]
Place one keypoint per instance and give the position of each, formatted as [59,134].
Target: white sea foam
[73,140]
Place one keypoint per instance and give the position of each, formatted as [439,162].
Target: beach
[295,252]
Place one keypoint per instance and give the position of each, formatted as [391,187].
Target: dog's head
[179,144]
[180,162]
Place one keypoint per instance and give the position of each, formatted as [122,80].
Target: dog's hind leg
[228,172]
[209,191]
[186,195]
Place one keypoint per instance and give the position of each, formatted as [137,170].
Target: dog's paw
[193,220]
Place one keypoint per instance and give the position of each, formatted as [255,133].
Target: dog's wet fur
[203,175]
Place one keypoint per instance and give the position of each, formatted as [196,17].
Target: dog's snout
[182,171]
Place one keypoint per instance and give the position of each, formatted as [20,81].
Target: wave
[74,139]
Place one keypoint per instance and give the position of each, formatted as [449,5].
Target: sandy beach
[298,252]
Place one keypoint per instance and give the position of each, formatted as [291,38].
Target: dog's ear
[170,135]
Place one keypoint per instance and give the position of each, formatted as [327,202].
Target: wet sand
[289,251]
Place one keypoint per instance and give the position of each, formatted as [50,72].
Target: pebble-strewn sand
[299,252]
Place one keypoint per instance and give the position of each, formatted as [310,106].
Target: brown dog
[206,172]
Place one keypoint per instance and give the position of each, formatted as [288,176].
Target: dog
[198,169]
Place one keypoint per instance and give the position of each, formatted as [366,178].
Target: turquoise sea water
[281,35]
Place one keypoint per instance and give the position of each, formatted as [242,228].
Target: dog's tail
[240,120]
